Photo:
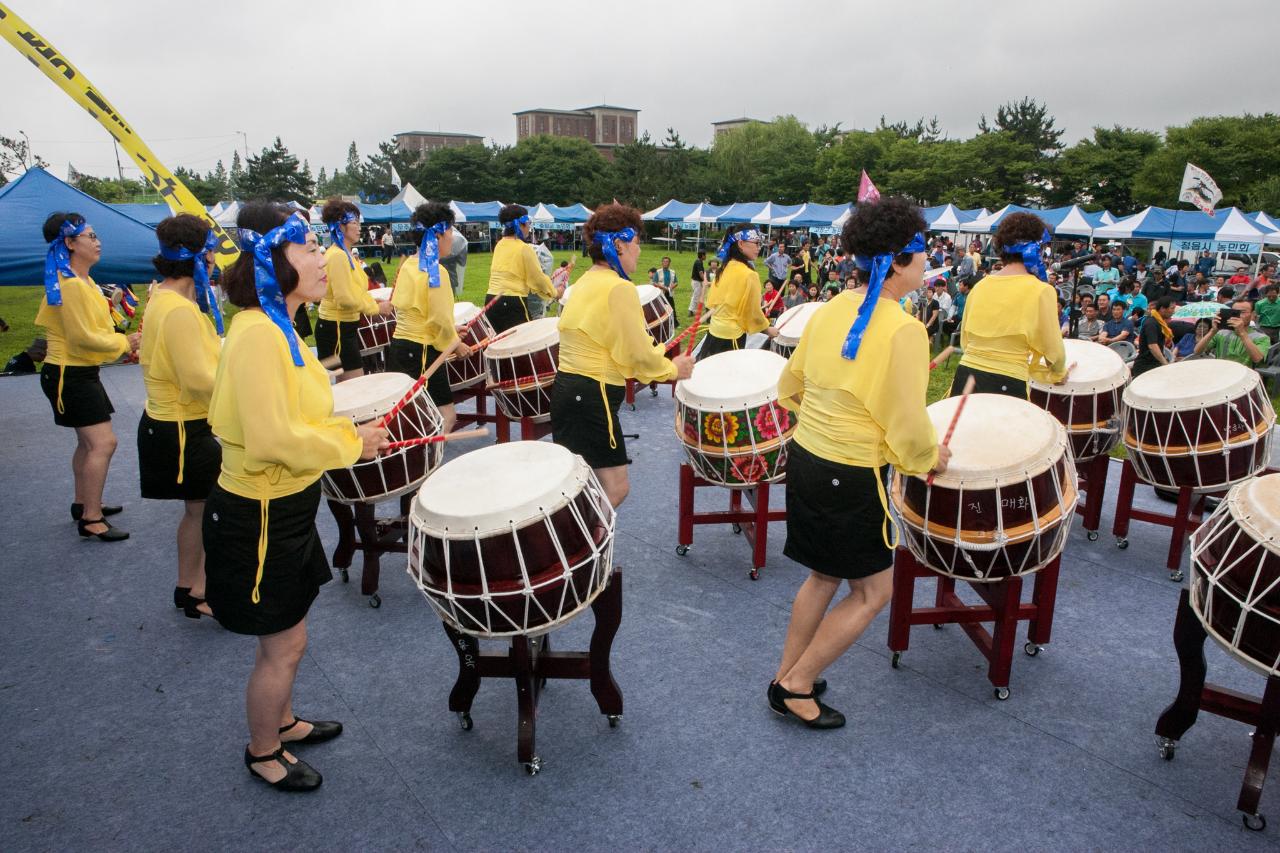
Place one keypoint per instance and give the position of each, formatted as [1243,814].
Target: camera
[1227,313]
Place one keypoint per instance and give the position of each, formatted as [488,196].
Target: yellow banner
[60,70]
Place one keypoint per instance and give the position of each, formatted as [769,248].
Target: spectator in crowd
[1239,341]
[1090,327]
[803,262]
[698,277]
[1156,286]
[667,282]
[1159,257]
[794,296]
[1225,295]
[1200,291]
[846,267]
[964,264]
[933,315]
[1205,263]
[1107,276]
[1240,278]
[388,245]
[1154,336]
[1268,311]
[952,324]
[1118,326]
[560,278]
[1261,283]
[1186,345]
[813,293]
[1128,263]
[1141,273]
[771,301]
[1103,304]
[1178,281]
[778,265]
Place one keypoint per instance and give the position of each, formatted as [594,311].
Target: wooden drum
[375,333]
[1205,424]
[659,319]
[1235,574]
[1004,505]
[512,539]
[1089,402]
[369,398]
[728,418]
[465,372]
[791,325]
[522,369]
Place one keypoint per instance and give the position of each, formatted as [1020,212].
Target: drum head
[371,396]
[381,294]
[998,440]
[1190,385]
[1097,368]
[733,380]
[464,312]
[648,293]
[528,337]
[791,323]
[1255,505]
[495,489]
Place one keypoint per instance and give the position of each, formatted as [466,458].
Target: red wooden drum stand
[1194,696]
[1004,608]
[1186,517]
[480,395]
[752,522]
[632,385]
[360,529]
[1093,482]
[530,662]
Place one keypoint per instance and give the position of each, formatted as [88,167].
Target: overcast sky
[188,76]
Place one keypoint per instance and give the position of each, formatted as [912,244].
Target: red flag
[866,190]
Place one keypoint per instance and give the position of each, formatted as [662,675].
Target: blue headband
[743,235]
[335,231]
[429,250]
[515,224]
[1032,257]
[294,230]
[59,260]
[200,272]
[604,239]
[878,265]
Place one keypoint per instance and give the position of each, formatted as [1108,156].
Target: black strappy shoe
[77,511]
[188,603]
[111,534]
[819,687]
[321,730]
[828,717]
[180,596]
[298,774]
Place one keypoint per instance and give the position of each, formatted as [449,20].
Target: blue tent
[815,216]
[147,214]
[127,244]
[478,211]
[781,212]
[672,211]
[1158,223]
[987,224]
[743,211]
[573,213]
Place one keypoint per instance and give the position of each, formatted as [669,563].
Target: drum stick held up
[436,439]
[417,386]
[951,428]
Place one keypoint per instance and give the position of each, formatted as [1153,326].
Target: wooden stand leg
[468,683]
[346,547]
[523,656]
[371,569]
[684,535]
[608,614]
[1096,476]
[1124,504]
[1178,538]
[1044,595]
[904,587]
[1004,632]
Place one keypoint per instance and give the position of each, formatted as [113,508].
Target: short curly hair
[883,226]
[607,218]
[431,212]
[1017,228]
[186,231]
[510,213]
[335,208]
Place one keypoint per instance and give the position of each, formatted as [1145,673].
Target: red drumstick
[436,439]
[674,343]
[693,332]
[964,398]
[417,386]
[480,314]
[941,357]
[524,381]
[777,294]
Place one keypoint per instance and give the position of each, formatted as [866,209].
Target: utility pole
[246,144]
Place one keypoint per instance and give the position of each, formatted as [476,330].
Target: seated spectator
[1239,341]
[1186,345]
[26,361]
[771,301]
[813,292]
[793,297]
[1090,327]
[1118,327]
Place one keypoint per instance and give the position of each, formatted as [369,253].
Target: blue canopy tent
[574,213]
[743,211]
[813,215]
[375,214]
[987,224]
[947,217]
[127,244]
[477,211]
[147,214]
[671,211]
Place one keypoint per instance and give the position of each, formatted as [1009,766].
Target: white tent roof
[228,214]
[541,214]
[410,196]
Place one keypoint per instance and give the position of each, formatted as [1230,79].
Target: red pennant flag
[866,190]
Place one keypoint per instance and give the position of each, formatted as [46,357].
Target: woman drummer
[424,309]
[857,380]
[272,409]
[77,322]
[178,457]
[515,272]
[735,296]
[347,296]
[1010,317]
[603,343]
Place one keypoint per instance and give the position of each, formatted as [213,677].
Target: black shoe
[828,718]
[180,596]
[187,603]
[321,730]
[77,511]
[111,534]
[299,775]
[819,687]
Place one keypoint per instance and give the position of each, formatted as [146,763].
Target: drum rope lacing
[1248,606]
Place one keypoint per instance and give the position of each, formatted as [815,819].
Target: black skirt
[292,574]
[158,454]
[509,311]
[581,422]
[834,517]
[341,337]
[711,345]
[84,400]
[404,356]
[986,382]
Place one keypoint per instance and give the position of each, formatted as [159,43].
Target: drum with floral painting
[728,418]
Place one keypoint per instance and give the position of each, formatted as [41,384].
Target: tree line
[1016,157]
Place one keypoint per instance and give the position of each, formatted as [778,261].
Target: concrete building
[423,142]
[604,126]
[723,127]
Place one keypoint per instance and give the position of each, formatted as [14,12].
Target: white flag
[1199,189]
[395,179]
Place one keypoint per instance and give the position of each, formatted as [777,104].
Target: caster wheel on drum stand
[346,575]
[1175,576]
[937,627]
[1001,693]
[737,528]
[653,392]
[1091,535]
[614,720]
[375,601]
[464,720]
[631,406]
[755,574]
[1254,822]
[893,661]
[1167,747]
[533,766]
[1122,543]
[681,550]
[1031,649]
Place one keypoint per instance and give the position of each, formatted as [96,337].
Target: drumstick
[964,398]
[416,387]
[941,357]
[436,439]
[693,332]
[332,362]
[524,381]
[472,321]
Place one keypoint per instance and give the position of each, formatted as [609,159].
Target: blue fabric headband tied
[515,224]
[429,250]
[743,235]
[335,231]
[878,266]
[204,293]
[604,239]
[294,230]
[1032,256]
[59,260]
